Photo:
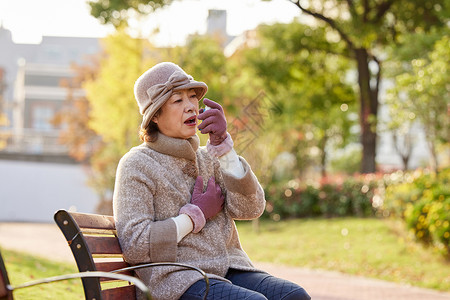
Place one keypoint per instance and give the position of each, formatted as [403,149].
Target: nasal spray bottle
[206,108]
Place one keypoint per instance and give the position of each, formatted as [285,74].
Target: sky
[29,20]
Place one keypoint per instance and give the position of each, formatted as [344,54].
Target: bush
[352,197]
[423,201]
[398,196]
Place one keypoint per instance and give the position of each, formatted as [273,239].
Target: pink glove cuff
[195,213]
[221,149]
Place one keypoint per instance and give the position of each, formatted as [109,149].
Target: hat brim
[200,89]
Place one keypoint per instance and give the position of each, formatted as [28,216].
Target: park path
[45,240]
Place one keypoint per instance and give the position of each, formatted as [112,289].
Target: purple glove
[211,201]
[214,122]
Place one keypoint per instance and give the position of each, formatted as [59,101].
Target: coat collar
[182,148]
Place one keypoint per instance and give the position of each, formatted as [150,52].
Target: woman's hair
[149,134]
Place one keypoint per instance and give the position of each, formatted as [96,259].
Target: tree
[365,27]
[117,12]
[104,124]
[74,117]
[203,58]
[423,93]
[114,114]
[310,88]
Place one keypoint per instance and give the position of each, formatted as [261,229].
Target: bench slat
[103,244]
[124,292]
[111,266]
[94,221]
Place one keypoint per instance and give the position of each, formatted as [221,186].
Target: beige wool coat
[154,180]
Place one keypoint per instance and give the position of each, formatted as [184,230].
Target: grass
[24,268]
[367,247]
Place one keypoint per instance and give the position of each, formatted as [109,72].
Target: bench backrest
[95,247]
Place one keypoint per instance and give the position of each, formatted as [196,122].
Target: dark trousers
[248,286]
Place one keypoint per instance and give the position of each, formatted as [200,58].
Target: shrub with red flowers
[352,196]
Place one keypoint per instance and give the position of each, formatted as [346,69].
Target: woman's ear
[155,119]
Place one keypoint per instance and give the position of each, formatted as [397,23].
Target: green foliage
[117,12]
[308,85]
[203,58]
[377,248]
[399,196]
[422,94]
[366,28]
[303,71]
[351,197]
[347,161]
[113,112]
[355,30]
[423,201]
[113,108]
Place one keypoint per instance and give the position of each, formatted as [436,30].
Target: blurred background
[314,94]
[341,107]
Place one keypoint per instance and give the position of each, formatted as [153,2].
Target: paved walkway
[46,240]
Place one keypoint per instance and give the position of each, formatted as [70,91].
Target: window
[41,117]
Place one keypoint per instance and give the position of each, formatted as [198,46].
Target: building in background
[216,25]
[33,93]
[37,176]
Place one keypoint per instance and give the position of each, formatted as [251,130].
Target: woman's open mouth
[192,121]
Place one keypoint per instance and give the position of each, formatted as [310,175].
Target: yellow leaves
[114,111]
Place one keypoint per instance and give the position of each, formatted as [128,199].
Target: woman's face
[177,118]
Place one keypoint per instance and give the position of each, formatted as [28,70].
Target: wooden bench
[95,247]
[6,289]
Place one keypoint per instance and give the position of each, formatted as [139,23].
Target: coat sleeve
[141,237]
[244,196]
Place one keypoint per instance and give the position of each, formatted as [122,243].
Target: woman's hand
[214,122]
[211,201]
[205,205]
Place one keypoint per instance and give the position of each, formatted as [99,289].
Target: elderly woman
[176,202]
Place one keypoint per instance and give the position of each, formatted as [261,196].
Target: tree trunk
[430,137]
[405,150]
[369,110]
[323,156]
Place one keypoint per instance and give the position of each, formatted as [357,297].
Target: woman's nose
[189,106]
